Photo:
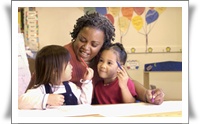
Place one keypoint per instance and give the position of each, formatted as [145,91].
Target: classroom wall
[55,24]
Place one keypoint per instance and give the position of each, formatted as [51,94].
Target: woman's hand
[155,96]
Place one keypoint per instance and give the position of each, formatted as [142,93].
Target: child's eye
[100,60]
[109,63]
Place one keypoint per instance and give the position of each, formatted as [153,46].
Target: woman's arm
[140,90]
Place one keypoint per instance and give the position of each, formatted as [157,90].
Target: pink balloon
[139,10]
[110,17]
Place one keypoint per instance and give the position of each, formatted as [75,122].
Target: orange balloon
[127,12]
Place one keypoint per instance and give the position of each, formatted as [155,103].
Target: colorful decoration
[150,50]
[151,16]
[160,10]
[89,9]
[101,10]
[111,18]
[137,22]
[132,64]
[123,24]
[133,50]
[168,49]
[31,29]
[114,11]
[127,12]
[139,10]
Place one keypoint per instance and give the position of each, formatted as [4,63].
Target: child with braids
[52,87]
[116,86]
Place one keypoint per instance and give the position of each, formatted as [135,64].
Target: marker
[119,65]
[84,63]
[152,92]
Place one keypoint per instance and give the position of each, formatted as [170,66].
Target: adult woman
[91,33]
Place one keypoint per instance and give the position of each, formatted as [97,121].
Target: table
[96,113]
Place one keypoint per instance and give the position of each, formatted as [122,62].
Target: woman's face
[88,43]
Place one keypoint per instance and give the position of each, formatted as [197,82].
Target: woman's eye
[82,40]
[94,45]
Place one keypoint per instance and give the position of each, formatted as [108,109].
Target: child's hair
[119,51]
[49,64]
[98,21]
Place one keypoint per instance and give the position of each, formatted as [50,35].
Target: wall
[55,24]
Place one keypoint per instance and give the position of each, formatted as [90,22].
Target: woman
[91,33]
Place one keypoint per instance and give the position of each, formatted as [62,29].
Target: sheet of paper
[24,74]
[117,110]
[114,110]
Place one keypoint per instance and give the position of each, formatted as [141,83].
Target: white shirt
[37,98]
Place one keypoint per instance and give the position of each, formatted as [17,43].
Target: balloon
[127,12]
[137,22]
[139,10]
[101,10]
[89,9]
[110,17]
[114,11]
[151,16]
[160,9]
[123,23]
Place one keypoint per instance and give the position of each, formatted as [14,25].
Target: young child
[52,87]
[116,86]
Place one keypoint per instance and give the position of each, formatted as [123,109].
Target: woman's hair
[119,51]
[98,21]
[49,64]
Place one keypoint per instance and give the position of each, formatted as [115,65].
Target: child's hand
[55,100]
[88,74]
[122,77]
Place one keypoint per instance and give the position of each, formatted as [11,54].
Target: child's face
[107,65]
[67,75]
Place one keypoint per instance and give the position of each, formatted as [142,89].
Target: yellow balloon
[137,22]
[114,11]
[160,10]
[123,23]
